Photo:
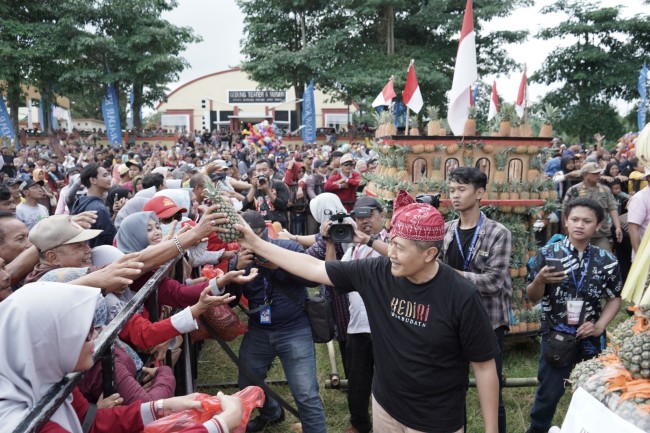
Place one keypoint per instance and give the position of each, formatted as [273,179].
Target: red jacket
[347,195]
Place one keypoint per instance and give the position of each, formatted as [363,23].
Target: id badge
[265,315]
[574,308]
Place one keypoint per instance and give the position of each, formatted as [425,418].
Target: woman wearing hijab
[612,172]
[54,323]
[136,233]
[568,175]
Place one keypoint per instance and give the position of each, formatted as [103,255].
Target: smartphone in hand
[555,264]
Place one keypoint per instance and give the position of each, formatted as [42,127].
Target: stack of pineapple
[620,376]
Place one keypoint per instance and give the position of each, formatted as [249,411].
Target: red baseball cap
[164,207]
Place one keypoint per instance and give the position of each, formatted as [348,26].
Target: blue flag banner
[309,114]
[111,114]
[643,80]
[475,94]
[6,128]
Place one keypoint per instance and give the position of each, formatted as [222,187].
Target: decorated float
[519,194]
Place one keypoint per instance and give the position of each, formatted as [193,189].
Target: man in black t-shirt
[428,323]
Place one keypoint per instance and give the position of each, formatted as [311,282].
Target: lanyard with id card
[264,309]
[575,305]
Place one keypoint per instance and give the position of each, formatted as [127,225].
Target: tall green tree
[351,47]
[590,72]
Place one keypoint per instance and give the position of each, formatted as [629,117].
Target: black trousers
[360,363]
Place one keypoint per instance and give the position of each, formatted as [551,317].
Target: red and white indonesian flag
[522,97]
[386,96]
[494,102]
[465,74]
[411,95]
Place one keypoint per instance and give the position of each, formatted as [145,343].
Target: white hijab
[326,204]
[43,327]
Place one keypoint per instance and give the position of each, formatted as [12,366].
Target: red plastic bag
[223,320]
[210,272]
[251,397]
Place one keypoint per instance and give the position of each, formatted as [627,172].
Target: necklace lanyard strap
[472,245]
[577,283]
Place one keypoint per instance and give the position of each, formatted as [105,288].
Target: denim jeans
[549,391]
[361,364]
[296,352]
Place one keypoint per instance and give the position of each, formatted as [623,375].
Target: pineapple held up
[213,193]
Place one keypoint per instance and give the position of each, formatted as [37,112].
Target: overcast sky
[220,24]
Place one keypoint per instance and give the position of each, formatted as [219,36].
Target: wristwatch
[371,240]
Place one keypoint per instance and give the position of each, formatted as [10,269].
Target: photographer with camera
[344,182]
[268,196]
[479,249]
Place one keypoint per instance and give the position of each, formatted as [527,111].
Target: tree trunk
[300,92]
[389,22]
[137,106]
[13,102]
[303,31]
[46,107]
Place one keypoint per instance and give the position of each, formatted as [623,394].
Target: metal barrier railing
[45,408]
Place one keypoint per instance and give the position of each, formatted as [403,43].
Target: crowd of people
[416,302]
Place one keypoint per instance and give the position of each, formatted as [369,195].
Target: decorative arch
[484,164]
[515,169]
[451,164]
[419,169]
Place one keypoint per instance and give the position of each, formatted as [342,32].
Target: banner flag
[411,95]
[494,102]
[386,95]
[465,73]
[111,113]
[41,116]
[54,120]
[6,128]
[642,86]
[522,96]
[309,115]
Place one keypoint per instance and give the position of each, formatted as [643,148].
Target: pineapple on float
[468,161]
[501,161]
[213,194]
[507,114]
[392,165]
[434,127]
[493,194]
[414,127]
[418,148]
[532,149]
[635,355]
[389,120]
[436,168]
[379,125]
[400,165]
[534,166]
[549,115]
[515,122]
[524,193]
[470,123]
[487,148]
[452,148]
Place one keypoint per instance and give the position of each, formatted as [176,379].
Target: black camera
[261,179]
[432,199]
[340,232]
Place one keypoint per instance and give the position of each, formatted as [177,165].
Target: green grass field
[521,357]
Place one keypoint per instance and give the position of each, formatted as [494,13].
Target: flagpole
[406,131]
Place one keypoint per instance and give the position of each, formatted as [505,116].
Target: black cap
[366,201]
[335,154]
[30,183]
[254,219]
[319,163]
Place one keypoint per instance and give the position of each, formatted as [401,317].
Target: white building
[230,99]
